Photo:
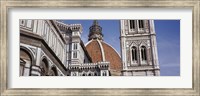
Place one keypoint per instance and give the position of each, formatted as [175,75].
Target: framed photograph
[99,47]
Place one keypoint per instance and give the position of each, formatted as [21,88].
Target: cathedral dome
[100,51]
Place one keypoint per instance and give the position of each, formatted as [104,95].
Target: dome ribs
[110,55]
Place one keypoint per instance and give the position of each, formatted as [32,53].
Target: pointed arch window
[141,23]
[134,53]
[143,53]
[132,24]
[44,67]
[53,72]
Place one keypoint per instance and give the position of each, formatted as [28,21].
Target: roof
[101,51]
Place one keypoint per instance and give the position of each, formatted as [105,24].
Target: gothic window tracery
[134,53]
[143,53]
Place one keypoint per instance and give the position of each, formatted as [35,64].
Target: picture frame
[4,46]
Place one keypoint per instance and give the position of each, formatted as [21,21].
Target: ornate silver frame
[7,4]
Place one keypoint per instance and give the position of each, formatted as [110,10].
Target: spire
[95,22]
[95,31]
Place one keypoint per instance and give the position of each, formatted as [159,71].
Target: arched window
[132,24]
[44,67]
[25,62]
[95,74]
[134,53]
[143,53]
[53,72]
[141,23]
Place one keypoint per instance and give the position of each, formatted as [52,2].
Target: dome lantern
[95,31]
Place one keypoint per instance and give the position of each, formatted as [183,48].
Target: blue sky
[167,35]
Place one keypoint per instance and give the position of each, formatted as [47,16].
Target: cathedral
[53,48]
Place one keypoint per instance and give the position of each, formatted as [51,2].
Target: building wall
[79,61]
[48,32]
[139,48]
[43,43]
[76,53]
[90,69]
[39,55]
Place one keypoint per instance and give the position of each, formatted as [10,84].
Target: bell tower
[139,48]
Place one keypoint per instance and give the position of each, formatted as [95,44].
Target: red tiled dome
[101,51]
